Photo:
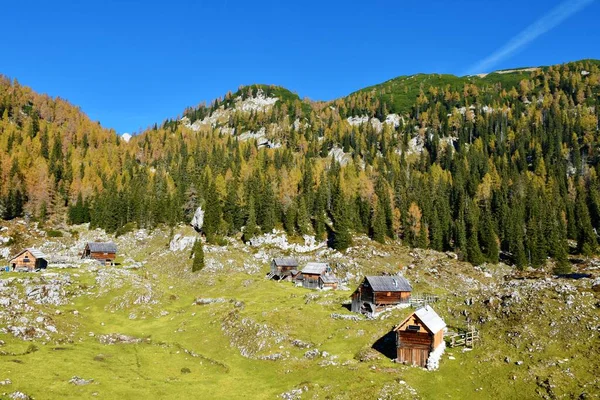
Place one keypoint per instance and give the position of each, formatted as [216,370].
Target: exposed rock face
[198,219]
[179,242]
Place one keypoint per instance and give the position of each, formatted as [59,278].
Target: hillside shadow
[386,345]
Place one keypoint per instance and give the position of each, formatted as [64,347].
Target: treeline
[497,167]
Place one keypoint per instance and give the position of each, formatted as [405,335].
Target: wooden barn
[418,336]
[105,253]
[328,281]
[312,272]
[282,268]
[29,260]
[375,293]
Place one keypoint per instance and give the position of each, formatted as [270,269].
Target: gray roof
[34,252]
[328,279]
[97,247]
[393,283]
[315,268]
[432,321]
[285,262]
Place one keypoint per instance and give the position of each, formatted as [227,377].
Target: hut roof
[285,262]
[393,283]
[38,254]
[317,268]
[329,279]
[430,319]
[97,247]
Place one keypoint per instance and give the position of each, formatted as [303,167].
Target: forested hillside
[502,164]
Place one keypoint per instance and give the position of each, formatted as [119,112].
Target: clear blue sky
[129,64]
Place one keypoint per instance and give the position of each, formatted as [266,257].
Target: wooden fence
[417,300]
[466,339]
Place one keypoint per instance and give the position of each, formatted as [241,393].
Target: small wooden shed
[282,268]
[377,292]
[418,336]
[312,273]
[105,253]
[328,281]
[29,260]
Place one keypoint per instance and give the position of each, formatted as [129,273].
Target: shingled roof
[285,262]
[97,247]
[315,268]
[329,279]
[392,283]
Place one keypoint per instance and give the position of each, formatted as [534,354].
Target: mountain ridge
[469,165]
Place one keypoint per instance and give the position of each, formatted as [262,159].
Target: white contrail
[563,11]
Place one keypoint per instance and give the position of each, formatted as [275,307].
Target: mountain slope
[500,165]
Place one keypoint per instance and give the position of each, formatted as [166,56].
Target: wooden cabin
[29,260]
[375,293]
[418,336]
[328,281]
[282,268]
[105,253]
[312,272]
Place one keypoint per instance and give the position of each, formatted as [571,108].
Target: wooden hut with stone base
[375,293]
[282,268]
[29,260]
[420,338]
[311,274]
[105,253]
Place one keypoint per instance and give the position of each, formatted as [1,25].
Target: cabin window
[389,294]
[413,328]
[26,259]
[105,254]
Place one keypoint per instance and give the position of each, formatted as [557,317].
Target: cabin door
[419,357]
[414,356]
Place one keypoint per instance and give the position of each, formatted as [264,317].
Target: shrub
[127,228]
[53,233]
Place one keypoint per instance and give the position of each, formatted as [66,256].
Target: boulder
[198,219]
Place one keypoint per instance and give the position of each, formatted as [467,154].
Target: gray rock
[198,219]
[18,396]
[80,381]
[310,354]
[118,338]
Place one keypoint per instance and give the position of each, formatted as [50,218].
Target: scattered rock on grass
[80,381]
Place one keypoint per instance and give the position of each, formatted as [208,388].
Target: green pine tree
[198,251]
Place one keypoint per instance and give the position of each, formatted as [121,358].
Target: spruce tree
[250,229]
[378,227]
[198,252]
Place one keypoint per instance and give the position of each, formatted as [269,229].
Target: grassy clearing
[221,350]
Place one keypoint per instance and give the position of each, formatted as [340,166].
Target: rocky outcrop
[118,338]
[198,219]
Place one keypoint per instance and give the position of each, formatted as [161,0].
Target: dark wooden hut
[29,260]
[282,268]
[377,292]
[312,273]
[105,253]
[418,336]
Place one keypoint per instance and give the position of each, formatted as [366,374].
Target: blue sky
[129,64]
